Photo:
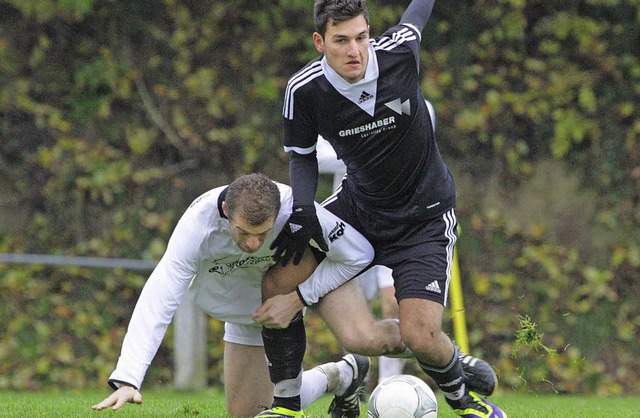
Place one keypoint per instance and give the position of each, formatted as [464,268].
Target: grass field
[210,403]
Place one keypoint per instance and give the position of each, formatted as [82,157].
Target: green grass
[210,403]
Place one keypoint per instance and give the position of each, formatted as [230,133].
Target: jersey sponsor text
[337,232]
[224,269]
[391,120]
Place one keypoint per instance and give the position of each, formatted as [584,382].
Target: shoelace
[346,404]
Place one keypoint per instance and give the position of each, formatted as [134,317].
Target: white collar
[363,92]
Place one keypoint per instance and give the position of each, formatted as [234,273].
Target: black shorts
[419,253]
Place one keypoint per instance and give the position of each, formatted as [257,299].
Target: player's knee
[422,340]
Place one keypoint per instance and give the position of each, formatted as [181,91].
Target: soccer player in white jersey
[363,96]
[220,252]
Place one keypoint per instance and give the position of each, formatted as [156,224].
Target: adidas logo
[433,287]
[295,228]
[364,97]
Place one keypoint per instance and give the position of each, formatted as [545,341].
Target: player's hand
[302,226]
[120,397]
[278,311]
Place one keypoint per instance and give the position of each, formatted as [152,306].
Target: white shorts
[246,334]
[377,277]
[243,334]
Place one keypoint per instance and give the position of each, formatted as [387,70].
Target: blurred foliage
[115,115]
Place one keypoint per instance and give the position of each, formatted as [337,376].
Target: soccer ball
[402,396]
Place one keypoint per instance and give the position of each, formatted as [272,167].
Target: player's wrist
[299,293]
[117,384]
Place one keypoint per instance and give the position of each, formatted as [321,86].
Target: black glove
[301,227]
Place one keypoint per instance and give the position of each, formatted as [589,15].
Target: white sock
[315,383]
[289,387]
[389,367]
[346,377]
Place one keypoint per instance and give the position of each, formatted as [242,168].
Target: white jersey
[225,281]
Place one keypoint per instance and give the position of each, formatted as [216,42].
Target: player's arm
[281,298]
[154,310]
[288,289]
[349,253]
[151,317]
[418,13]
[303,225]
[303,170]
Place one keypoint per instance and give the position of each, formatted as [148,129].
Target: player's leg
[387,293]
[246,380]
[281,279]
[388,366]
[248,387]
[348,316]
[285,365]
[336,378]
[346,402]
[422,280]
[438,356]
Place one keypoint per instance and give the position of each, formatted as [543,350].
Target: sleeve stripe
[301,151]
[414,29]
[297,81]
[397,38]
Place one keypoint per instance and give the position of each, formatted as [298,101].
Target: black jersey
[380,127]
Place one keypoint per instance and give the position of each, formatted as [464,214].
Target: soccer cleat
[473,406]
[280,412]
[348,405]
[479,374]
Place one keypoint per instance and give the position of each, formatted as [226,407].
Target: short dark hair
[337,11]
[253,196]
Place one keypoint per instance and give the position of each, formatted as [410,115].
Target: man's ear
[224,209]
[318,42]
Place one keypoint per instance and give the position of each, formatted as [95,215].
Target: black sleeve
[303,171]
[418,13]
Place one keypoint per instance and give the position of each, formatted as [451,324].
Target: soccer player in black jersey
[363,96]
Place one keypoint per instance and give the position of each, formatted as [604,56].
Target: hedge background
[114,115]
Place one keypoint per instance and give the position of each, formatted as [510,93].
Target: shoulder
[304,78]
[301,84]
[202,215]
[285,192]
[286,199]
[397,36]
[307,73]
[206,199]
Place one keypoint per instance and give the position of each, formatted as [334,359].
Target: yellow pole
[457,306]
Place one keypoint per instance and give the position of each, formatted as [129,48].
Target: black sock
[285,350]
[450,378]
[293,403]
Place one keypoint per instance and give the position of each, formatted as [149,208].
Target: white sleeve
[154,310]
[349,253]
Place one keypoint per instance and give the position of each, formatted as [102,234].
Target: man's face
[346,47]
[249,238]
